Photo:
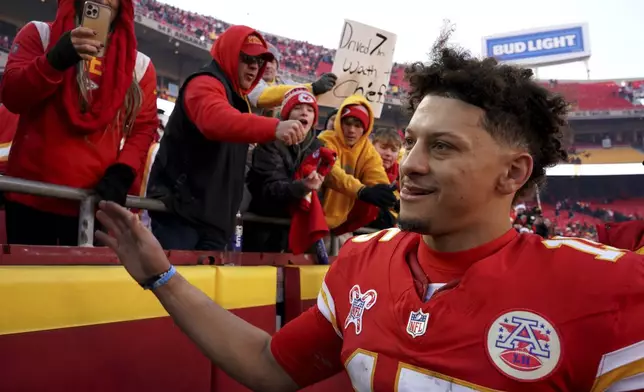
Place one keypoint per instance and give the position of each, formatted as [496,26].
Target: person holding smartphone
[88,111]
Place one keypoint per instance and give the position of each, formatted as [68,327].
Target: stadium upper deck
[164,29]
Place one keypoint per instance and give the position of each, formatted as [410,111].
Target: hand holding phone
[97,18]
[85,42]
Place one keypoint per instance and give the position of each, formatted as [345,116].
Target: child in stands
[388,144]
[271,178]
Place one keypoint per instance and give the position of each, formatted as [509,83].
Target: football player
[457,300]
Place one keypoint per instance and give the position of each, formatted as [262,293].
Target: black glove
[115,184]
[324,84]
[63,55]
[384,221]
[380,195]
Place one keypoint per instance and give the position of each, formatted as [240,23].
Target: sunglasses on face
[250,60]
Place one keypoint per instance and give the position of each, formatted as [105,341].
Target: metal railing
[88,201]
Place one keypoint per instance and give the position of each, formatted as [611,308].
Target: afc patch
[417,324]
[523,345]
[359,303]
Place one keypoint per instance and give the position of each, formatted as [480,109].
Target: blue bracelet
[159,280]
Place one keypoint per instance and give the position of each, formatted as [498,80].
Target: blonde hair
[131,104]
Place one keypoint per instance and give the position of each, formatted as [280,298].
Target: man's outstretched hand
[136,247]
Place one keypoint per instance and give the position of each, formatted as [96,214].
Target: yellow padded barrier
[311,277]
[245,287]
[34,298]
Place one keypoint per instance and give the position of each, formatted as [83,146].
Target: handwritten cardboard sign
[363,64]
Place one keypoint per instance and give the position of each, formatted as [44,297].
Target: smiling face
[388,151]
[454,173]
[303,113]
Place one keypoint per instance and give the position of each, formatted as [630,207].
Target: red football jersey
[562,314]
[625,235]
[8,126]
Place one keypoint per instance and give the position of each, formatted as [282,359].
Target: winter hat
[255,46]
[296,96]
[359,112]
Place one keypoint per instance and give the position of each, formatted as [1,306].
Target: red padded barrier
[141,355]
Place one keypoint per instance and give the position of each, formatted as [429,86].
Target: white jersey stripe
[622,369]
[634,383]
[621,357]
[326,305]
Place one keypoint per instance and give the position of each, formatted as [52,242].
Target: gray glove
[324,84]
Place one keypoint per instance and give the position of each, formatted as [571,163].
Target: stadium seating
[308,61]
[626,207]
[620,154]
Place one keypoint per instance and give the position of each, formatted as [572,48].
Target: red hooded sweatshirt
[624,235]
[205,98]
[55,142]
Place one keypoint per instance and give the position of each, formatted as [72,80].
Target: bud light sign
[547,46]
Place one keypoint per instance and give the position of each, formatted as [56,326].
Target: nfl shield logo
[417,324]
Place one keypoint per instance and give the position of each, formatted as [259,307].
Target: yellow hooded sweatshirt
[355,167]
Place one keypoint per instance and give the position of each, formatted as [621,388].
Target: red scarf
[118,69]
[392,173]
[308,223]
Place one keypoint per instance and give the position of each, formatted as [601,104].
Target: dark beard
[414,225]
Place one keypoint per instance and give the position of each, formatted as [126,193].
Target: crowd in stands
[569,218]
[308,60]
[289,167]
[297,56]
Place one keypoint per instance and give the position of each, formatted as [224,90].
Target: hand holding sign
[362,63]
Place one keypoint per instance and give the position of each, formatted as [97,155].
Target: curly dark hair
[518,111]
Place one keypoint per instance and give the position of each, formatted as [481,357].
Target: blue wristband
[159,280]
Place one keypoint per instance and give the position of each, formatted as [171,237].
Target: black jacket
[200,180]
[273,191]
[270,178]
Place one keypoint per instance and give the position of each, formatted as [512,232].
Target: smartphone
[97,17]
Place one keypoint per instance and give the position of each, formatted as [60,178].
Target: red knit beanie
[359,112]
[297,96]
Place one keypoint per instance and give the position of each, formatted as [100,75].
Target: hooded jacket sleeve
[137,144]
[208,108]
[28,77]
[273,183]
[373,173]
[264,96]
[340,181]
